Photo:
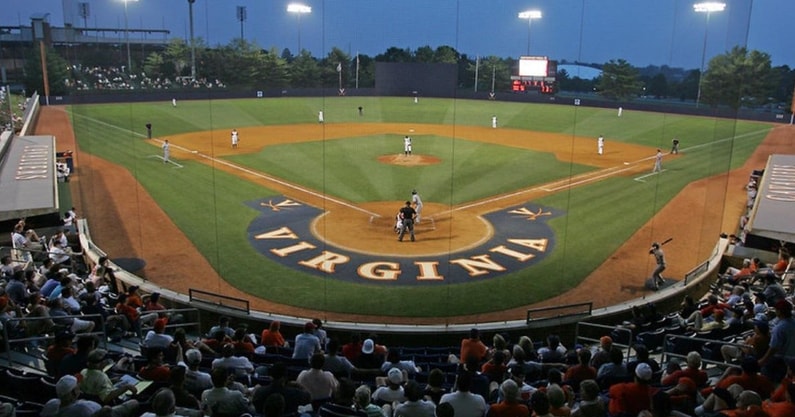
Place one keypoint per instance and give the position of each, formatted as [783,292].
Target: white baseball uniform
[235,138]
[415,198]
[600,145]
[493,122]
[320,117]
[407,145]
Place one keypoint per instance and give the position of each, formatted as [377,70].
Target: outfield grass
[599,217]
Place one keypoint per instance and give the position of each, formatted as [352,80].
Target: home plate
[626,163]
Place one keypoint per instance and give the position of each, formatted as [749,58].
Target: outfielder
[415,198]
[235,138]
[320,118]
[600,145]
[407,145]
[493,122]
[166,151]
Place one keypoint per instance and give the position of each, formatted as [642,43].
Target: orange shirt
[473,347]
[630,398]
[269,338]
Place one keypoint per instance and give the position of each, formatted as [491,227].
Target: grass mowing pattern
[206,204]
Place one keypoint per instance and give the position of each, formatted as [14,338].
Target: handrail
[561,307]
[666,355]
[218,300]
[9,342]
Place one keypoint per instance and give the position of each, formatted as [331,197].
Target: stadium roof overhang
[27,178]
[773,215]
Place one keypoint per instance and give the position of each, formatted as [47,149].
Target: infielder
[493,122]
[320,117]
[658,162]
[675,146]
[407,146]
[166,151]
[600,145]
[235,138]
[415,198]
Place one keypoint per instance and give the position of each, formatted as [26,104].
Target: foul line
[164,160]
[640,179]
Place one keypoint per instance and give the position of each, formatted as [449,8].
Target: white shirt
[466,404]
[415,198]
[320,384]
[241,364]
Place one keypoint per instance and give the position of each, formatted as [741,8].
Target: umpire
[408,215]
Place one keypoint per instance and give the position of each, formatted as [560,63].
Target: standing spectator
[782,343]
[320,332]
[473,346]
[306,343]
[272,336]
[353,348]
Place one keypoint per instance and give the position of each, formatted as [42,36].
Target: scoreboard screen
[533,66]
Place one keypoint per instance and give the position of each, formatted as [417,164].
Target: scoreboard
[535,73]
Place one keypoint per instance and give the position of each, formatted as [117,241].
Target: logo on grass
[522,238]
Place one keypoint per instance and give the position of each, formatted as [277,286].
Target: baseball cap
[643,371]
[309,326]
[97,355]
[65,385]
[395,376]
[160,325]
[368,346]
[762,324]
[605,340]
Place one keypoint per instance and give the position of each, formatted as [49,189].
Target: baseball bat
[666,241]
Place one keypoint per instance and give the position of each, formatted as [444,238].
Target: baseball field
[299,217]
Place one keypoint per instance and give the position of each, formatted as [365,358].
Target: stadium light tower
[298,9]
[127,37]
[708,8]
[529,15]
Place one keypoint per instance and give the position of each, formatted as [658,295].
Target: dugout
[771,223]
[406,78]
[28,179]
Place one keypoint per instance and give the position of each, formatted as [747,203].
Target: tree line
[736,78]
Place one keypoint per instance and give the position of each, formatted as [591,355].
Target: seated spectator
[719,399]
[682,397]
[182,397]
[480,383]
[749,404]
[615,368]
[576,374]
[434,389]
[181,338]
[692,371]
[539,403]
[153,303]
[37,310]
[220,400]
[223,325]
[780,392]
[496,367]
[393,360]
[155,369]
[465,403]
[559,404]
[784,408]
[94,381]
[228,360]
[368,359]
[69,403]
[306,343]
[554,351]
[748,377]
[342,404]
[510,405]
[602,355]
[756,344]
[632,397]
[59,349]
[294,395]
[74,363]
[415,405]
[736,276]
[60,317]
[102,275]
[339,366]
[217,340]
[362,400]
[590,404]
[526,343]
[16,289]
[319,383]
[196,381]
[393,390]
[272,336]
[642,356]
[242,342]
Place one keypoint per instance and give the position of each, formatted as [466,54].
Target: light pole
[127,37]
[529,15]
[192,42]
[708,8]
[241,16]
[298,9]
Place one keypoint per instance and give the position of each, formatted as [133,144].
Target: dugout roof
[27,178]
[773,215]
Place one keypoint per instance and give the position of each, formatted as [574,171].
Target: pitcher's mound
[408,160]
